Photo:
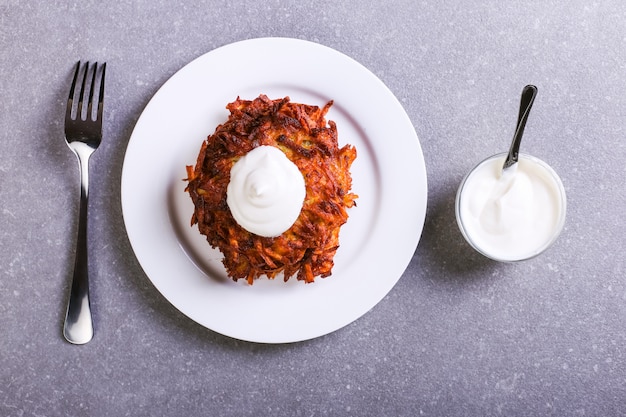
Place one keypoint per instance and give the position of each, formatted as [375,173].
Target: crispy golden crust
[301,132]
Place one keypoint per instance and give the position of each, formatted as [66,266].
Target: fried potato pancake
[301,131]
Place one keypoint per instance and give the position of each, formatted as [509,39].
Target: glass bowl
[512,218]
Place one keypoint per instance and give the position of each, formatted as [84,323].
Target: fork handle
[78,327]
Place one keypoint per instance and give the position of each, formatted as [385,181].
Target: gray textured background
[458,335]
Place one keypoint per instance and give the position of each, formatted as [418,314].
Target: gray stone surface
[457,336]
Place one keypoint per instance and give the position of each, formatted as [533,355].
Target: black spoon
[528,97]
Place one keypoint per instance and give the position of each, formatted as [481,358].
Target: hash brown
[301,131]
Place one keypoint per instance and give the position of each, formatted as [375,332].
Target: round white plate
[376,244]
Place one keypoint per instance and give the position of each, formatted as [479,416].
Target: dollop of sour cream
[512,214]
[266,191]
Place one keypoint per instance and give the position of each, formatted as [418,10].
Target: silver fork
[83,134]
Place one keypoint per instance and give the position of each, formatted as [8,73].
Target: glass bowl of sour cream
[511,215]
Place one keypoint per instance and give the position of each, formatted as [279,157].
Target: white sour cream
[513,214]
[266,191]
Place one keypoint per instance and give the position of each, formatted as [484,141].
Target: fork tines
[86,90]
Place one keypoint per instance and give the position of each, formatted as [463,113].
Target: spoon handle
[528,97]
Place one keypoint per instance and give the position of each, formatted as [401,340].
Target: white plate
[376,244]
